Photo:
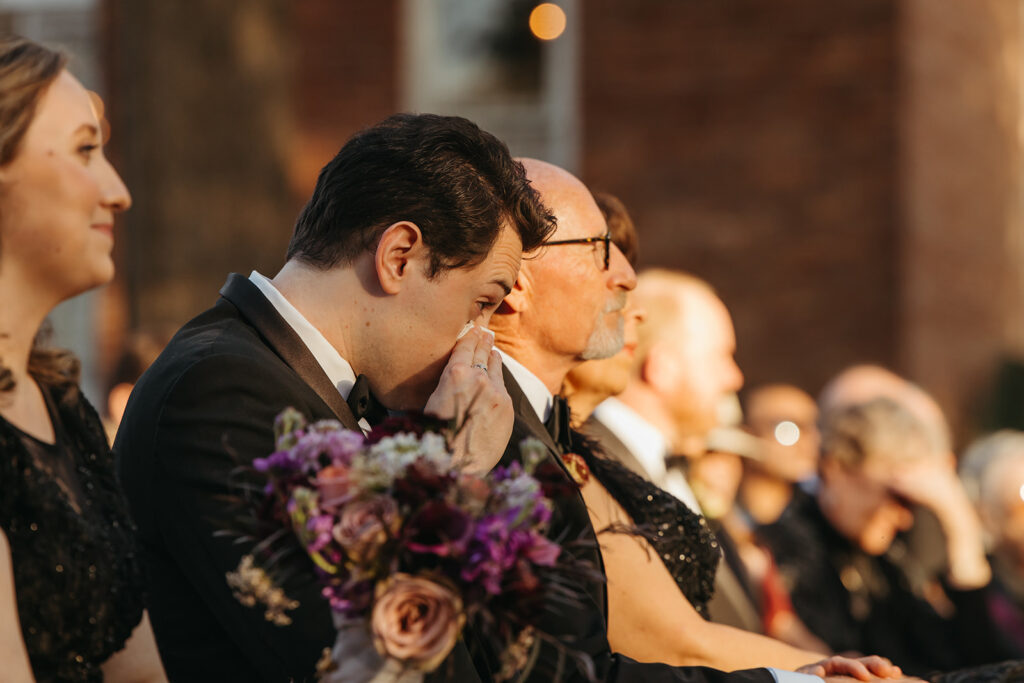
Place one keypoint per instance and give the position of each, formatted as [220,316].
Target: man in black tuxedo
[566,307]
[415,228]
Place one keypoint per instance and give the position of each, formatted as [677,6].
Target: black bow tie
[677,462]
[558,424]
[364,404]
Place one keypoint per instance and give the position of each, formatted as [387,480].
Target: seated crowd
[819,540]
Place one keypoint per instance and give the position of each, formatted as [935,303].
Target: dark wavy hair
[623,230]
[27,69]
[454,181]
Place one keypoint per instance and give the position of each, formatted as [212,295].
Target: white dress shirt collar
[648,445]
[336,368]
[644,440]
[536,393]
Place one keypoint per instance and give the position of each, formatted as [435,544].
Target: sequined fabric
[681,537]
[77,577]
[1002,672]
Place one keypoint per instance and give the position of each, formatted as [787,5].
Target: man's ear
[656,367]
[517,300]
[400,247]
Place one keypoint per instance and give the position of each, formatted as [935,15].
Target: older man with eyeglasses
[565,308]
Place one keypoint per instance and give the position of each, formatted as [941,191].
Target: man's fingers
[494,369]
[881,667]
[847,667]
[465,349]
[482,352]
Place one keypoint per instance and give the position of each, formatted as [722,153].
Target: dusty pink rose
[416,620]
[333,485]
[365,526]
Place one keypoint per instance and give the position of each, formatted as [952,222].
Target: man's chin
[602,349]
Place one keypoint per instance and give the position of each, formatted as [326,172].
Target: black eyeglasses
[605,239]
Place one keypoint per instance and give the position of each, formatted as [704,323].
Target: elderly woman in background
[876,463]
[71,607]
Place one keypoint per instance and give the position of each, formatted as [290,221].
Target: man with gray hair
[566,307]
[876,460]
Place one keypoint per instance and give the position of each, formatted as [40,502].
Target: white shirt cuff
[783,676]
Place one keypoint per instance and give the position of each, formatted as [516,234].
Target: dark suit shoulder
[206,406]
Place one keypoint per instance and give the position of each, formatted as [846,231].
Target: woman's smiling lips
[107,228]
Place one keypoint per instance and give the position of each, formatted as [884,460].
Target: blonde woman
[70,602]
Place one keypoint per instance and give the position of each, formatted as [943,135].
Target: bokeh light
[787,433]
[547,21]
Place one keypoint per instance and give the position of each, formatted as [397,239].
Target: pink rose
[365,526]
[333,484]
[416,620]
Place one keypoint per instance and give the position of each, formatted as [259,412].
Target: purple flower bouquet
[407,547]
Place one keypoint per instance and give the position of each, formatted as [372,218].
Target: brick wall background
[846,173]
[961,228]
[755,144]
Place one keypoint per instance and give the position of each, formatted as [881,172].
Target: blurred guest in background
[684,367]
[683,373]
[877,460]
[993,471]
[140,350]
[785,419]
[920,551]
[71,604]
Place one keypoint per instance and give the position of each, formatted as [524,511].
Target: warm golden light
[547,21]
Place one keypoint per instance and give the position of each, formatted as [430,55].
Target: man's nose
[735,376]
[620,274]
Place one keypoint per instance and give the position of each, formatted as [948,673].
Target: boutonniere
[577,468]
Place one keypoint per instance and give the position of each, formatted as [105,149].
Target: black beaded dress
[76,574]
[683,540]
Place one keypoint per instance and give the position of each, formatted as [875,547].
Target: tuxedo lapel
[285,342]
[530,421]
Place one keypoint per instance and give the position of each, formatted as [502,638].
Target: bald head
[677,305]
[860,384]
[566,306]
[576,212]
[685,348]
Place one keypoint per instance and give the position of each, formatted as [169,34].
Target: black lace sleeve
[681,537]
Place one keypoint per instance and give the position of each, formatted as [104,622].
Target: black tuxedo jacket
[206,406]
[585,628]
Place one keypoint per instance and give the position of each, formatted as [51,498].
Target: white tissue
[470,325]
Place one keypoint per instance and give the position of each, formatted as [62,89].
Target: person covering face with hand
[415,228]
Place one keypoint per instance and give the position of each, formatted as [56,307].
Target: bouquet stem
[357,660]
